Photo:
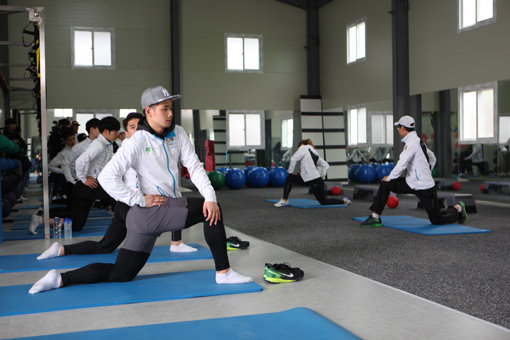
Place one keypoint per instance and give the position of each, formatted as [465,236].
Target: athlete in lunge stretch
[116,232]
[154,152]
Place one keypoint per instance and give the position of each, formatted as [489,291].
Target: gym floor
[378,284]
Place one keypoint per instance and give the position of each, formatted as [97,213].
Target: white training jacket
[68,165]
[308,169]
[412,159]
[93,160]
[55,165]
[156,162]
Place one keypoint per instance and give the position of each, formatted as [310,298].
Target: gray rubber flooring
[470,273]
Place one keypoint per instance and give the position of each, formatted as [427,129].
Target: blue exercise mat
[423,227]
[305,203]
[94,222]
[296,323]
[15,300]
[92,213]
[37,206]
[29,262]
[16,235]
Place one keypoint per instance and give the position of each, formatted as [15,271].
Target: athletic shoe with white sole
[235,243]
[282,273]
[463,216]
[281,204]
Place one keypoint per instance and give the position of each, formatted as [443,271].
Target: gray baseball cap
[156,94]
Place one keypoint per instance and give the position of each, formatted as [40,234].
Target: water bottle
[68,229]
[56,228]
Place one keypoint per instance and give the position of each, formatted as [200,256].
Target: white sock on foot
[182,248]
[374,215]
[458,207]
[53,251]
[51,280]
[232,277]
[34,223]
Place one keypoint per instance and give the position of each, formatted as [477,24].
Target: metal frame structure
[36,14]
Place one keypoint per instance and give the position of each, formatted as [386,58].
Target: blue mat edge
[474,231]
[256,288]
[296,312]
[203,257]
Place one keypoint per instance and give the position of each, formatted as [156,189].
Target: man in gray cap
[418,160]
[155,152]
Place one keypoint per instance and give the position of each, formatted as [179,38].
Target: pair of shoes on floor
[282,203]
[371,222]
[463,216]
[235,243]
[282,273]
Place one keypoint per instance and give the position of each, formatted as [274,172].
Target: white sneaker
[282,203]
[23,198]
[347,201]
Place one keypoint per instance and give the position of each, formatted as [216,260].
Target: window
[63,113]
[124,112]
[245,130]
[92,48]
[83,118]
[243,53]
[477,113]
[381,128]
[475,13]
[357,123]
[356,38]
[287,133]
[504,130]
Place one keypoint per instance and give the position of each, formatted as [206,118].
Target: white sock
[53,251]
[182,248]
[50,281]
[232,277]
[374,215]
[34,223]
[458,207]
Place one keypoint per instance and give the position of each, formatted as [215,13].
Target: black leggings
[129,263]
[317,186]
[428,199]
[83,198]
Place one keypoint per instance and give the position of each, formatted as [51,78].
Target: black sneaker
[463,216]
[235,243]
[281,273]
[371,222]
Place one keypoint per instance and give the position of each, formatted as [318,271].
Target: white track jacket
[308,169]
[68,166]
[412,159]
[156,162]
[92,161]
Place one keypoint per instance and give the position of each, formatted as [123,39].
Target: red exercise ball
[392,202]
[456,186]
[336,190]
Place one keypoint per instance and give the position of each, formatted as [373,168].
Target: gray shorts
[144,225]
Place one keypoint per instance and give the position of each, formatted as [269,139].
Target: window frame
[357,144]
[259,37]
[347,27]
[477,23]
[246,146]
[477,88]
[92,30]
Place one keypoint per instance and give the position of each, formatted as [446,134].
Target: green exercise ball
[217,179]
